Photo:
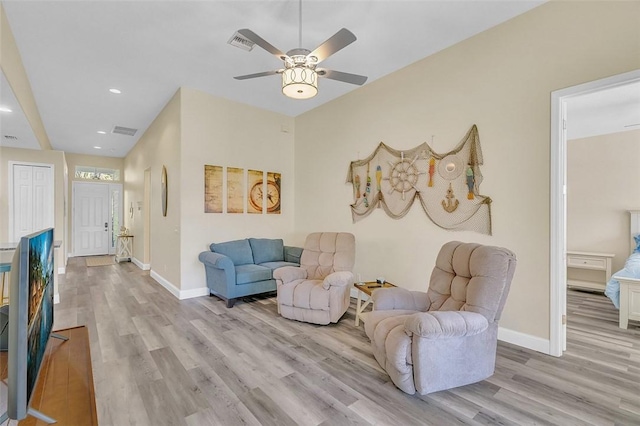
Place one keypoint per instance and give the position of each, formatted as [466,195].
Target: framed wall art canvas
[255,191]
[235,190]
[272,190]
[212,189]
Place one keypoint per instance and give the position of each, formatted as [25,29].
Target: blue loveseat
[245,267]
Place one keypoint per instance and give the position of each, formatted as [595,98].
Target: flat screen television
[30,319]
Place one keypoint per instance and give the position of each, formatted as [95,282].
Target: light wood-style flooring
[161,361]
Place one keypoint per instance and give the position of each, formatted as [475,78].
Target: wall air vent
[124,130]
[11,137]
[238,40]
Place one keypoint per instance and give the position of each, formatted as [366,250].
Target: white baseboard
[143,266]
[525,340]
[180,294]
[56,298]
[165,283]
[194,292]
[62,270]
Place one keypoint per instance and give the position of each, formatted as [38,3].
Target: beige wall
[159,146]
[603,182]
[195,129]
[500,80]
[11,64]
[220,132]
[74,160]
[57,159]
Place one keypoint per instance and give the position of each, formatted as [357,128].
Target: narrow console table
[124,248]
[593,262]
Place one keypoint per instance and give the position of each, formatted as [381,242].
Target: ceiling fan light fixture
[299,83]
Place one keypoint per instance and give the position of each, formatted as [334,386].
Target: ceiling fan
[300,73]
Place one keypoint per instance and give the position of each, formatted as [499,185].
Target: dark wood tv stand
[64,390]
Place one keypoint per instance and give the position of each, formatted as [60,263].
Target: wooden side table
[366,289]
[124,248]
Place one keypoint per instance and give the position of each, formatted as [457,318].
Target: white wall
[159,146]
[220,132]
[603,182]
[74,160]
[57,159]
[500,80]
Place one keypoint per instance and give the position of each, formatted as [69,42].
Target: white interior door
[90,219]
[32,204]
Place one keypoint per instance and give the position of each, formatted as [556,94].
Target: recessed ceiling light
[102,132]
[97,147]
[5,109]
[116,91]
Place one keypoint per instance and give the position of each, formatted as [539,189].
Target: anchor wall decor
[433,179]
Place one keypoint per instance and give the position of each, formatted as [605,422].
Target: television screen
[30,317]
[40,303]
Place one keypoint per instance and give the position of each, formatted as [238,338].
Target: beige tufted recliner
[318,290]
[446,337]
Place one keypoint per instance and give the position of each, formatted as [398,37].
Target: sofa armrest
[445,324]
[287,274]
[338,279]
[386,299]
[292,254]
[216,260]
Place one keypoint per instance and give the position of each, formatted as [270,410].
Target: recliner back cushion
[267,250]
[328,252]
[239,251]
[471,277]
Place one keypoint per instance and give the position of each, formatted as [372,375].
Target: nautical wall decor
[438,181]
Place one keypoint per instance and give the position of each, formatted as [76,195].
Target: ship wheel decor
[403,176]
[433,179]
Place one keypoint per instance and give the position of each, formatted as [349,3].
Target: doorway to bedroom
[595,181]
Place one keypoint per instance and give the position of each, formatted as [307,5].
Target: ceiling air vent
[11,137]
[124,131]
[238,40]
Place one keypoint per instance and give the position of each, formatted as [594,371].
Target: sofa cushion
[246,274]
[239,251]
[267,250]
[275,265]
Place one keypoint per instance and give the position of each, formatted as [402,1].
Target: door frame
[558,210]
[11,200]
[111,186]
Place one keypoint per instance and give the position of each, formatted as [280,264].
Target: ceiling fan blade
[262,43]
[342,76]
[258,74]
[338,41]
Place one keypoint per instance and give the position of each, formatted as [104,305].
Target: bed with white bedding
[624,286]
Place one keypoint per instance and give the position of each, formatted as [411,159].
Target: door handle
[106,226]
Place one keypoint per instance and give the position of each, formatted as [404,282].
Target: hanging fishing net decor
[446,185]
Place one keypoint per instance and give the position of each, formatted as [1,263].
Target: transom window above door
[96,173]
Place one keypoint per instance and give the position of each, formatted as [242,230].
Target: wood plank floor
[161,361]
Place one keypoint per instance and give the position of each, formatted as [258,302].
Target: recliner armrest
[445,324]
[292,254]
[216,260]
[386,299]
[338,279]
[287,274]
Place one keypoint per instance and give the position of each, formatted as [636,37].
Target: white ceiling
[607,111]
[14,123]
[75,51]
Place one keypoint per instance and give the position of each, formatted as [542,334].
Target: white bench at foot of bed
[629,298]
